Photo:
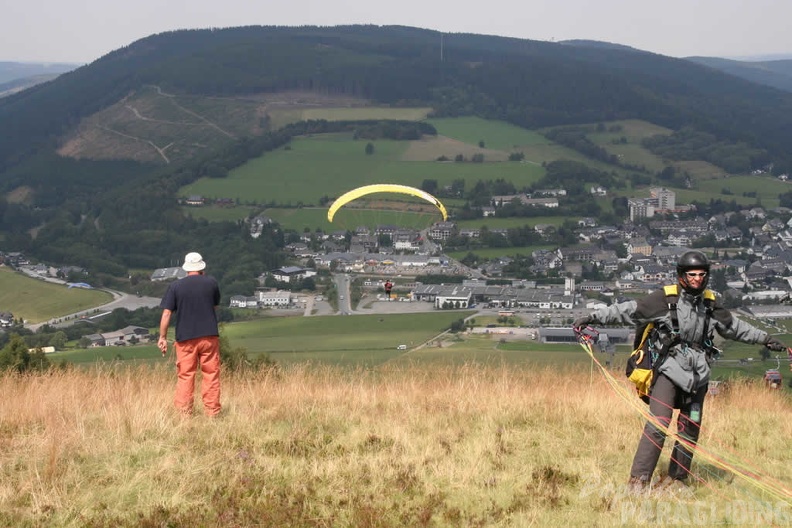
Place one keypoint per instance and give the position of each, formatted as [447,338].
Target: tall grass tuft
[315,446]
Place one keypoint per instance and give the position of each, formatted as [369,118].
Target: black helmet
[692,260]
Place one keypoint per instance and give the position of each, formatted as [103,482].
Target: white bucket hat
[193,262]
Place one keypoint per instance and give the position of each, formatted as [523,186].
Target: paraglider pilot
[685,355]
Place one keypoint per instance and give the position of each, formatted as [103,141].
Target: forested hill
[110,211]
[525,82]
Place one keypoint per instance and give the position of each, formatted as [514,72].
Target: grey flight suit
[682,379]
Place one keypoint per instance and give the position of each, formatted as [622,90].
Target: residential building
[442,230]
[665,199]
[289,273]
[277,299]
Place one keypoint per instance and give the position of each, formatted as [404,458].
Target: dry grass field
[395,446]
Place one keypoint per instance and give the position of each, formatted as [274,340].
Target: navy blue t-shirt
[193,300]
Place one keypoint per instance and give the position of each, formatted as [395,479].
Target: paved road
[120,300]
[342,285]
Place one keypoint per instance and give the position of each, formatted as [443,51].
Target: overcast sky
[83,30]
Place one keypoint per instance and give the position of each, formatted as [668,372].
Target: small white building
[287,273]
[454,297]
[242,301]
[278,299]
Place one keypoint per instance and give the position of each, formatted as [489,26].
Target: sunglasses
[693,274]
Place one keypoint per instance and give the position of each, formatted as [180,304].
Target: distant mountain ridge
[75,188]
[18,76]
[599,44]
[13,71]
[17,85]
[775,73]
[528,83]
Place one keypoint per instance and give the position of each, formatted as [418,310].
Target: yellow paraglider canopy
[383,188]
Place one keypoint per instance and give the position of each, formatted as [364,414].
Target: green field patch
[309,169]
[330,165]
[488,349]
[491,253]
[636,155]
[337,338]
[766,188]
[214,213]
[298,218]
[701,170]
[435,148]
[686,196]
[497,135]
[513,222]
[414,173]
[700,194]
[634,130]
[539,154]
[36,300]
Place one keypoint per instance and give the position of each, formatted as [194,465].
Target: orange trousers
[189,354]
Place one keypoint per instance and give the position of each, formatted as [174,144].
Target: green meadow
[359,340]
[631,152]
[367,339]
[313,218]
[511,222]
[296,178]
[327,166]
[489,350]
[330,165]
[490,253]
[497,135]
[767,188]
[371,340]
[213,213]
[36,300]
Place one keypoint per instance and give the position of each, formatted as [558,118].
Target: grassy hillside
[366,341]
[330,165]
[625,142]
[327,165]
[496,135]
[36,300]
[154,126]
[336,339]
[402,446]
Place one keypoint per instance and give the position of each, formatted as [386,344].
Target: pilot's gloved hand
[581,322]
[774,344]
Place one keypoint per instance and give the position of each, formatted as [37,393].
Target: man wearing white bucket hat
[194,300]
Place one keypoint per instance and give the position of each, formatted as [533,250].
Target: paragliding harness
[656,342]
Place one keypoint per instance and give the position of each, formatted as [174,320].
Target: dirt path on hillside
[160,150]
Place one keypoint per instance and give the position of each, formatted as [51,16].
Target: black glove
[774,344]
[581,322]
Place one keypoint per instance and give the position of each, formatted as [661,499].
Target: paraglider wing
[384,188]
